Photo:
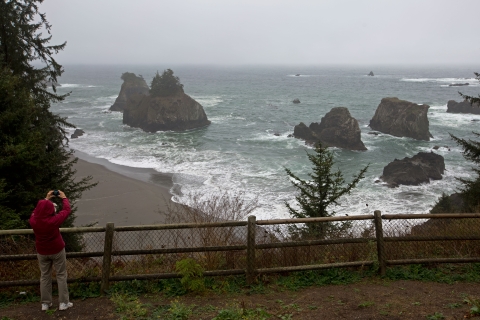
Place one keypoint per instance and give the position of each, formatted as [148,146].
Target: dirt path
[382,300]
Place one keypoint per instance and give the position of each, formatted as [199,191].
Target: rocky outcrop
[178,112]
[462,107]
[459,84]
[336,129]
[370,74]
[132,85]
[296,101]
[402,118]
[77,133]
[413,171]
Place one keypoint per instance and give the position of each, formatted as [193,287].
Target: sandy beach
[124,195]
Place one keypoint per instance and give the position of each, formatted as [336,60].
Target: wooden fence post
[251,226]
[380,243]
[107,256]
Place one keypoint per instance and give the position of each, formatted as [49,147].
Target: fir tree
[319,194]
[470,189]
[473,100]
[33,142]
[165,85]
[22,43]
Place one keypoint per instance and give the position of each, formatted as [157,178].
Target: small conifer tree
[316,196]
[165,85]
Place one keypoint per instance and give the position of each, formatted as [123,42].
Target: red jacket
[45,224]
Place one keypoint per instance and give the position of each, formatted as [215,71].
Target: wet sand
[124,195]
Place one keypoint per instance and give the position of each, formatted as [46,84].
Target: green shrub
[192,275]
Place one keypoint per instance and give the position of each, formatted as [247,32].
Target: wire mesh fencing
[290,243]
[248,247]
[440,236]
[18,256]
[153,251]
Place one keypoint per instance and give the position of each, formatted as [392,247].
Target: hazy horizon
[265,32]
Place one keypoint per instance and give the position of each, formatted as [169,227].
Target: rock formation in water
[176,113]
[336,129]
[402,118]
[462,107]
[132,85]
[166,108]
[296,100]
[77,133]
[370,74]
[413,171]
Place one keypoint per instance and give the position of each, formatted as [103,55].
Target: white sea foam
[208,101]
[441,80]
[76,85]
[440,107]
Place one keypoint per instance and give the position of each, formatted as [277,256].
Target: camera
[56,193]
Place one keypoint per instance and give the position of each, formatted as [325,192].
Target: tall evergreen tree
[316,196]
[33,142]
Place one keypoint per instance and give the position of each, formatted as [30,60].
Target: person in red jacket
[50,247]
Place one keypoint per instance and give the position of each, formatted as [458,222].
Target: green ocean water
[248,105]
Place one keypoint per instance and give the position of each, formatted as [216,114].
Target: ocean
[248,105]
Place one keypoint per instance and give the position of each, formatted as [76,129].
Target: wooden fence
[255,252]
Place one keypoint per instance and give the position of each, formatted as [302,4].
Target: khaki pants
[46,262]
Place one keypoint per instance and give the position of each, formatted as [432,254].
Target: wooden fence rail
[251,247]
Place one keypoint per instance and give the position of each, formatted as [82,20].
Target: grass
[445,273]
[366,304]
[240,312]
[127,296]
[436,316]
[128,306]
[475,305]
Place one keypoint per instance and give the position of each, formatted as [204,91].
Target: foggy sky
[266,31]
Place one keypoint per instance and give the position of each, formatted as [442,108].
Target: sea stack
[165,108]
[462,107]
[402,118]
[336,129]
[132,85]
[413,171]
